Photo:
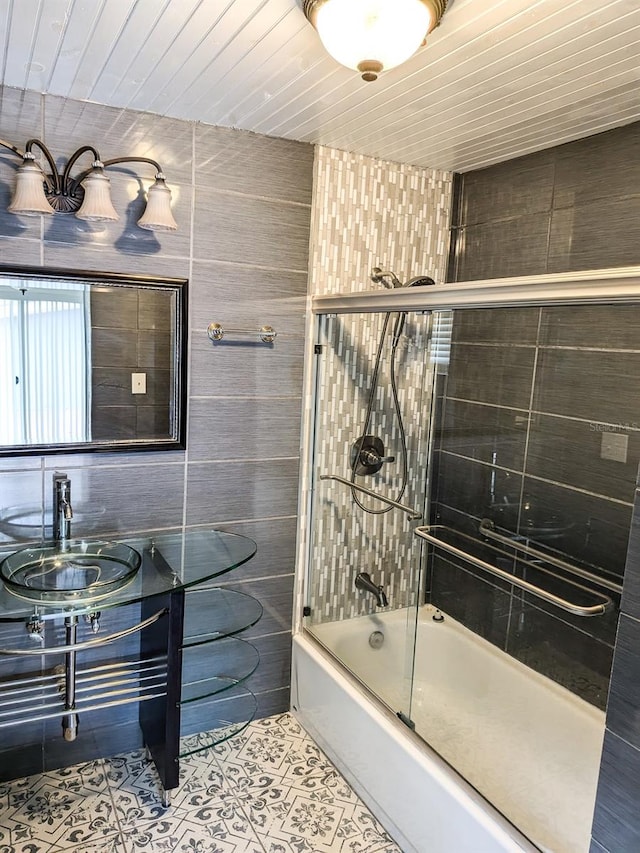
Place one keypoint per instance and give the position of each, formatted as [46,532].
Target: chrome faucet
[62,510]
[364,582]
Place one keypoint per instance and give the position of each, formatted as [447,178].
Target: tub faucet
[364,582]
[62,510]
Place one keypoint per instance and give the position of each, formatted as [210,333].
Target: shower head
[388,279]
[419,280]
[391,280]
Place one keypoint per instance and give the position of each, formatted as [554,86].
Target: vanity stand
[187,678]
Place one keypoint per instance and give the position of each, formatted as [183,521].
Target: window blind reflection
[45,373]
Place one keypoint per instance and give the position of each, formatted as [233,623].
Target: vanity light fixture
[88,194]
[371,36]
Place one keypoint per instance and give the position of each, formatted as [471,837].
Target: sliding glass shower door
[372,429]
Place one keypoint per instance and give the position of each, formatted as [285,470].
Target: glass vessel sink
[55,572]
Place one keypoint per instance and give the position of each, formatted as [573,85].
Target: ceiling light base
[370,36]
[369,69]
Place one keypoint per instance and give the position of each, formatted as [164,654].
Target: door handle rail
[413,514]
[428,532]
[487,528]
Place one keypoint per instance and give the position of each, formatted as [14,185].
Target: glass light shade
[157,215]
[97,205]
[361,31]
[29,198]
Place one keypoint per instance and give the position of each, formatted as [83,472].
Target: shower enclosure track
[428,532]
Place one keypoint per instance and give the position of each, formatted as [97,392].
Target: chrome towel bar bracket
[428,532]
[216,332]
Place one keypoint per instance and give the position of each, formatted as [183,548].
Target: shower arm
[413,514]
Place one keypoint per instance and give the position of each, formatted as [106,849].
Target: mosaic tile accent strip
[346,539]
[268,790]
[370,213]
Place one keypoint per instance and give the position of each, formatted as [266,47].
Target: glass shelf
[231,612]
[170,562]
[233,660]
[226,717]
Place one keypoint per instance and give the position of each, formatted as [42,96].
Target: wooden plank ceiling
[497,79]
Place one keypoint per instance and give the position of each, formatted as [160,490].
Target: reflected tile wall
[573,207]
[576,207]
[559,470]
[245,251]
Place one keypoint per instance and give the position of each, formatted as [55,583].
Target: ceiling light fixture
[88,194]
[371,36]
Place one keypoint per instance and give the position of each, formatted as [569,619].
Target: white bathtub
[528,745]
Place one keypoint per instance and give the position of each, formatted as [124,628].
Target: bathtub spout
[364,582]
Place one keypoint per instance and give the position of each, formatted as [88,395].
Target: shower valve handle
[370,457]
[367,455]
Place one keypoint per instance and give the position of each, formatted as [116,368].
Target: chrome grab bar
[88,644]
[216,332]
[487,528]
[412,513]
[577,609]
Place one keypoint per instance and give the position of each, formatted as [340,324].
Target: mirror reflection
[90,361]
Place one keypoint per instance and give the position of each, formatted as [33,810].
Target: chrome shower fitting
[62,510]
[366,584]
[367,455]
[389,279]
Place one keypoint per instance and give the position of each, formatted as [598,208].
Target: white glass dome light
[373,35]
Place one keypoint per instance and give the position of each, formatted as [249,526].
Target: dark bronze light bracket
[64,192]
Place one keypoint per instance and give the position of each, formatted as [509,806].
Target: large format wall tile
[518,187]
[631,592]
[498,326]
[264,429]
[589,325]
[234,491]
[585,236]
[246,230]
[242,297]
[485,433]
[501,249]
[491,374]
[624,698]
[241,366]
[254,165]
[602,386]
[611,160]
[615,822]
[582,453]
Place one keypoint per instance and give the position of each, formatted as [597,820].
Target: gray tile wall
[571,208]
[242,203]
[529,440]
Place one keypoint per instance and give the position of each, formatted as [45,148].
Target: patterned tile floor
[268,790]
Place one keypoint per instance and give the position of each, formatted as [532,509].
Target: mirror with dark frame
[91,361]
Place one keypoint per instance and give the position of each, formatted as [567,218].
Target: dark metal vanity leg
[160,717]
